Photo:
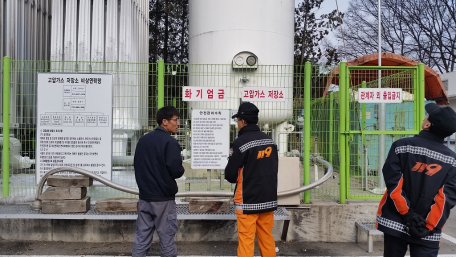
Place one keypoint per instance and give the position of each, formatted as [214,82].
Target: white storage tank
[220,30]
[107,36]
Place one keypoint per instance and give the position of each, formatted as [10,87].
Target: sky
[329,5]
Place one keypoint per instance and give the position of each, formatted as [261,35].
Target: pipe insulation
[17,161]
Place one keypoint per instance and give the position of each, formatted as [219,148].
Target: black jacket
[157,164]
[253,165]
[420,173]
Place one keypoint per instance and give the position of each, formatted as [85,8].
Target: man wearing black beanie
[420,177]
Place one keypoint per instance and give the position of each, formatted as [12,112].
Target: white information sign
[211,94]
[74,122]
[380,95]
[264,94]
[210,139]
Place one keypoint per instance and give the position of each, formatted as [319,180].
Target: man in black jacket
[253,165]
[157,164]
[420,177]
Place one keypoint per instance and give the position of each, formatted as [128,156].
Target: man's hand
[411,219]
[415,225]
[418,232]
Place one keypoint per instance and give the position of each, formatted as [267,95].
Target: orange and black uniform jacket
[253,166]
[420,173]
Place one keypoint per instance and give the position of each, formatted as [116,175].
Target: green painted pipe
[422,96]
[306,138]
[342,130]
[161,84]
[331,126]
[6,124]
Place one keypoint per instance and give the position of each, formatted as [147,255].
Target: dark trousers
[397,247]
[159,216]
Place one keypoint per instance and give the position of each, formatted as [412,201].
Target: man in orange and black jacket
[253,165]
[420,177]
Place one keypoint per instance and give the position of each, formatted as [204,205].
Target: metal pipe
[161,84]
[342,130]
[17,161]
[331,125]
[6,124]
[381,112]
[307,121]
[36,205]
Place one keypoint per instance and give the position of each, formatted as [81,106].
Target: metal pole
[6,124]
[342,130]
[306,150]
[363,138]
[381,108]
[161,84]
[331,126]
[421,89]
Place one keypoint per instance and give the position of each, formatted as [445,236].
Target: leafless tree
[310,32]
[423,30]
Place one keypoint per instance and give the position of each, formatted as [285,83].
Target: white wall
[450,79]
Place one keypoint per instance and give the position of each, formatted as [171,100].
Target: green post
[6,124]
[364,164]
[161,84]
[421,95]
[306,138]
[416,97]
[363,110]
[331,127]
[342,131]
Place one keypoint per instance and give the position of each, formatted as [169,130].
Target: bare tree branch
[421,30]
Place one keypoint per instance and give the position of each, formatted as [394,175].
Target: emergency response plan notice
[210,143]
[74,122]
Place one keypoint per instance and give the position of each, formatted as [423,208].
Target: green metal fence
[307,123]
[369,129]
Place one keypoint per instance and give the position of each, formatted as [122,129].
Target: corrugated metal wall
[25,35]
[87,33]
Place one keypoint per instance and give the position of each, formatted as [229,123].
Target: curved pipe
[17,161]
[37,203]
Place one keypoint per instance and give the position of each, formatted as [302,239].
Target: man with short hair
[253,165]
[420,177]
[157,164]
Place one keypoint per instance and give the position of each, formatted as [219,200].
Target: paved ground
[196,249]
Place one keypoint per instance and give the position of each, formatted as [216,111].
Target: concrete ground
[30,248]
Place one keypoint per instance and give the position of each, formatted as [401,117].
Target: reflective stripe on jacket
[253,166]
[420,174]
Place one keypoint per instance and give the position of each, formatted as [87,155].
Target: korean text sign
[380,95]
[264,94]
[210,143]
[218,94]
[74,123]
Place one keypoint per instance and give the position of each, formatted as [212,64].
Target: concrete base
[317,222]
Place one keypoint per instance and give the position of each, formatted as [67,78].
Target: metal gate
[367,130]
